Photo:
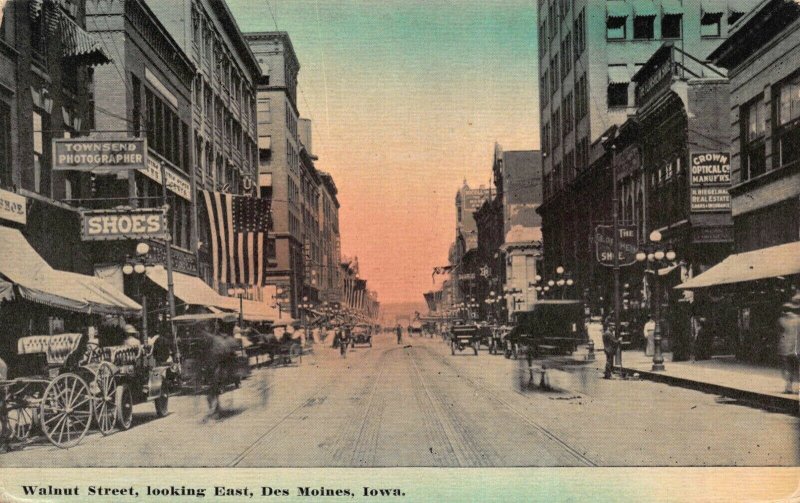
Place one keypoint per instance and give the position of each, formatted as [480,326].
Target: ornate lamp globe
[560,282]
[142,249]
[570,282]
[560,270]
[659,255]
[671,255]
[551,283]
[127,269]
[655,236]
[641,256]
[138,268]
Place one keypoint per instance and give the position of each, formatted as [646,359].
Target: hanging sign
[13,207]
[129,223]
[604,244]
[176,183]
[87,154]
[709,182]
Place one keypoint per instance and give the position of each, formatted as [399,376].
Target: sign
[710,179]
[655,75]
[86,154]
[628,161]
[176,183]
[107,225]
[13,207]
[466,276]
[604,244]
[715,234]
[182,261]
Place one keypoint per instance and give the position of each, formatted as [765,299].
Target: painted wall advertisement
[709,182]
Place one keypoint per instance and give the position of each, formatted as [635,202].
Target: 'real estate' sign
[129,223]
[86,154]
[709,183]
[604,244]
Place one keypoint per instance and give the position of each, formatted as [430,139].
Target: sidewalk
[753,384]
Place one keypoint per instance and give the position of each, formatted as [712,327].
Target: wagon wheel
[22,416]
[66,410]
[93,354]
[105,404]
[124,406]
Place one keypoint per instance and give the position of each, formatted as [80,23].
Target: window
[569,166]
[264,111]
[753,119]
[566,60]
[671,26]
[734,16]
[5,145]
[579,29]
[581,99]
[643,27]
[582,155]
[711,24]
[545,88]
[556,124]
[557,181]
[40,139]
[615,27]
[618,95]
[546,138]
[568,122]
[786,143]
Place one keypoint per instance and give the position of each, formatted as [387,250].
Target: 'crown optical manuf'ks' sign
[86,154]
[104,225]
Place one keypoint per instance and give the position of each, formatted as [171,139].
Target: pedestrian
[649,333]
[609,348]
[216,353]
[131,336]
[788,343]
[399,331]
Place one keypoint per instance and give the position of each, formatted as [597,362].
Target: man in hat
[609,347]
[131,336]
[788,343]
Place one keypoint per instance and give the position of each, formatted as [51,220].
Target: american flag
[239,226]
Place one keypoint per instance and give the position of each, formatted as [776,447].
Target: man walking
[399,331]
[788,344]
[609,347]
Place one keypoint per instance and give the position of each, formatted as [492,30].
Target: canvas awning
[713,7]
[618,74]
[38,282]
[254,310]
[781,260]
[671,7]
[78,44]
[740,6]
[189,289]
[618,9]
[644,8]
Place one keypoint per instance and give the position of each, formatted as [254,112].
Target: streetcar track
[261,438]
[486,391]
[368,416]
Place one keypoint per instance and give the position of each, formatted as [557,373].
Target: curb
[760,400]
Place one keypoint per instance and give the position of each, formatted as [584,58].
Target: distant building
[330,241]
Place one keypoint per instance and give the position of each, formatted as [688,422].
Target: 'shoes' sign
[710,181]
[86,154]
[102,225]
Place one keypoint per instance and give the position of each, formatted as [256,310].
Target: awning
[254,310]
[740,6]
[671,7]
[781,260]
[78,44]
[618,9]
[189,289]
[644,8]
[618,74]
[38,282]
[713,7]
[265,142]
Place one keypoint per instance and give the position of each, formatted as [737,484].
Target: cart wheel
[162,405]
[105,407]
[21,419]
[124,403]
[66,410]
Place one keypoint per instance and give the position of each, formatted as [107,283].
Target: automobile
[361,334]
[552,326]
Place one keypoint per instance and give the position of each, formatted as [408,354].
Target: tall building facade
[330,241]
[222,141]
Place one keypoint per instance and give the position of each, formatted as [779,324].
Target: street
[416,405]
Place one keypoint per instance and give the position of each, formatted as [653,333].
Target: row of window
[566,118]
[562,173]
[783,116]
[671,26]
[571,48]
[166,133]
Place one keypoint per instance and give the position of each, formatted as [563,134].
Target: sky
[407,99]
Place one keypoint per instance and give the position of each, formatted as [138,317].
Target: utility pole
[168,254]
[615,213]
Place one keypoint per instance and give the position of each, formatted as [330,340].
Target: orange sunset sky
[407,99]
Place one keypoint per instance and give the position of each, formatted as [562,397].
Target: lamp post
[304,307]
[138,265]
[655,255]
[239,292]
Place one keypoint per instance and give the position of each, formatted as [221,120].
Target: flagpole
[168,254]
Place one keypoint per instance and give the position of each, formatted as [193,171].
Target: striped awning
[671,7]
[713,7]
[740,6]
[618,9]
[644,8]
[618,74]
[78,44]
[37,282]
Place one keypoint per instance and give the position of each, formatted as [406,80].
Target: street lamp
[138,265]
[304,307]
[654,253]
